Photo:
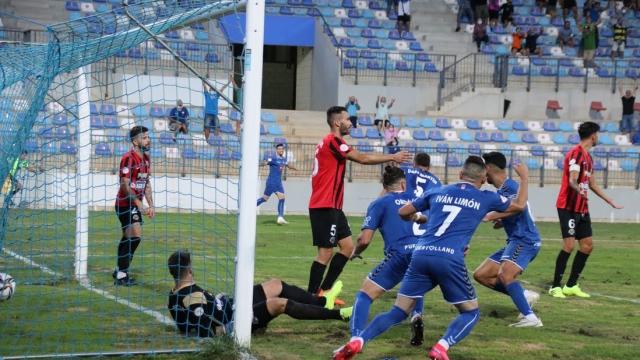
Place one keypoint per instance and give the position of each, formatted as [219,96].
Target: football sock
[315,276]
[360,313]
[461,326]
[126,248]
[499,287]
[295,293]
[576,269]
[261,201]
[310,312]
[382,323]
[335,269]
[517,295]
[281,207]
[417,311]
[561,264]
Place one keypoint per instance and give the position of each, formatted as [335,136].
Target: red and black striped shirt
[327,179]
[577,159]
[137,170]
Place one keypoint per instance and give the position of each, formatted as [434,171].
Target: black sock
[576,269]
[295,293]
[315,276]
[335,269]
[561,264]
[310,312]
[126,248]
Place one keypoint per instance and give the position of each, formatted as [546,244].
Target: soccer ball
[7,286]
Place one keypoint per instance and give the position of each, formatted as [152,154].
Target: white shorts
[617,46]
[404,8]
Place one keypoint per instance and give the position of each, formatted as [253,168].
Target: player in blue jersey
[438,258]
[419,178]
[276,164]
[500,270]
[399,237]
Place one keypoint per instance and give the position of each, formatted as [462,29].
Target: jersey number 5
[453,212]
[419,190]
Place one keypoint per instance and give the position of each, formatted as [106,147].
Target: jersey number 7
[453,212]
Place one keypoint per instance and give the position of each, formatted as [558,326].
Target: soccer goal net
[66,110]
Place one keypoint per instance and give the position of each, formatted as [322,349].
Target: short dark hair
[334,110]
[422,159]
[587,129]
[279,144]
[137,130]
[495,158]
[392,174]
[178,262]
[473,167]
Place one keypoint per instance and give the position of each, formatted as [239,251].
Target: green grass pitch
[60,316]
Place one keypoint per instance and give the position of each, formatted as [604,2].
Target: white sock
[444,344]
[531,317]
[121,275]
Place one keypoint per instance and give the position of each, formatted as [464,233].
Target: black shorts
[354,121]
[261,316]
[569,4]
[574,224]
[494,14]
[376,122]
[328,226]
[128,215]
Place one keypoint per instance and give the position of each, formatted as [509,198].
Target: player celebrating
[438,258]
[195,309]
[399,238]
[500,270]
[276,164]
[573,211]
[329,225]
[419,178]
[135,172]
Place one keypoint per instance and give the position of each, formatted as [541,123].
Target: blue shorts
[426,272]
[273,188]
[210,121]
[518,253]
[391,270]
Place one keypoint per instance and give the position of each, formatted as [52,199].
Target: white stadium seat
[458,124]
[534,125]
[544,139]
[489,125]
[621,140]
[451,135]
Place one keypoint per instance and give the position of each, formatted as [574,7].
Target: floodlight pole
[249,171]
[82,176]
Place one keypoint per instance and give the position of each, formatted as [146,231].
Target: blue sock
[461,326]
[382,323]
[281,207]
[499,287]
[360,315]
[261,201]
[517,295]
[419,306]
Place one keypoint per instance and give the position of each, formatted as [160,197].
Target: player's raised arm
[520,202]
[598,191]
[374,159]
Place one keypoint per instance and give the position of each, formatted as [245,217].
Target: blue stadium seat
[560,164]
[102,149]
[72,6]
[107,109]
[96,122]
[402,66]
[435,135]
[482,136]
[550,126]
[364,146]
[166,138]
[519,125]
[566,126]
[50,148]
[427,123]
[420,135]
[599,151]
[31,145]
[374,44]
[598,165]
[559,139]
[189,153]
[267,117]
[605,139]
[629,165]
[611,127]
[274,129]
[372,133]
[212,57]
[513,138]
[453,160]
[201,35]
[504,125]
[616,152]
[533,164]
[216,140]
[68,148]
[110,122]
[473,124]
[93,109]
[529,138]
[430,67]
[139,111]
[574,139]
[466,136]
[498,137]
[411,123]
[537,150]
[442,148]
[62,132]
[263,130]
[357,133]
[415,46]
[474,149]
[395,121]
[443,123]
[60,120]
[365,120]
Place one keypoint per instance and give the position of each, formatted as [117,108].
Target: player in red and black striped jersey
[573,210]
[134,173]
[329,225]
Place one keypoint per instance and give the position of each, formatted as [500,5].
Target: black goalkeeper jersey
[196,310]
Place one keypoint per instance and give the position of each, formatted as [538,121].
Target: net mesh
[130,79]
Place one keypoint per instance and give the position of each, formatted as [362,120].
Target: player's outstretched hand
[402,157]
[521,169]
[615,205]
[151,212]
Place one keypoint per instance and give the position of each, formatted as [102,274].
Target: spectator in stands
[551,8]
[382,113]
[589,42]
[516,43]
[392,5]
[592,9]
[481,10]
[353,107]
[566,37]
[531,42]
[211,120]
[178,120]
[494,12]
[506,13]
[480,34]
[570,5]
[464,9]
[619,39]
[391,137]
[404,16]
[628,99]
